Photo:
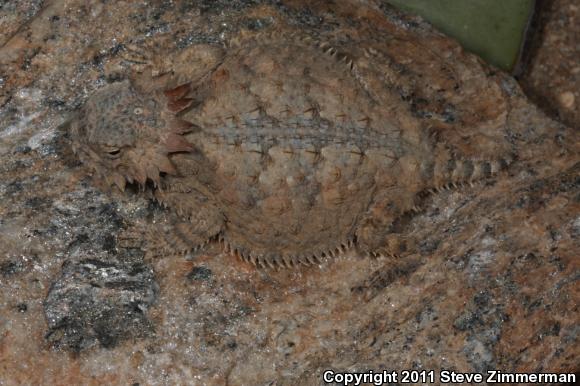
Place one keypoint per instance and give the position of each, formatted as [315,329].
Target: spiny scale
[277,262]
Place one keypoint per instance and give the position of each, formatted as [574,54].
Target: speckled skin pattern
[294,147]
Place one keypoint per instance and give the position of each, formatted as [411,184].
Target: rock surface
[495,285]
[553,77]
[99,300]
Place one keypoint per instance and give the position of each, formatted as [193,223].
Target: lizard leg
[192,223]
[392,271]
[378,232]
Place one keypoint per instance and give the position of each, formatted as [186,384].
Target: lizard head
[127,134]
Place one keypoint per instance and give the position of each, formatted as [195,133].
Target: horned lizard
[295,146]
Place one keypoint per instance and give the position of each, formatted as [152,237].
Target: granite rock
[552,75]
[102,301]
[494,284]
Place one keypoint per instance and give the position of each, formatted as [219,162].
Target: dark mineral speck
[99,301]
[200,273]
[257,24]
[12,266]
[36,202]
[23,149]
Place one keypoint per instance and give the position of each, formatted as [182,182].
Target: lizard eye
[138,111]
[112,152]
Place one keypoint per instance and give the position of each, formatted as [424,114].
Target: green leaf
[493,29]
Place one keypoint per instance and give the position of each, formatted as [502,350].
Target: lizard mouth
[144,167]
